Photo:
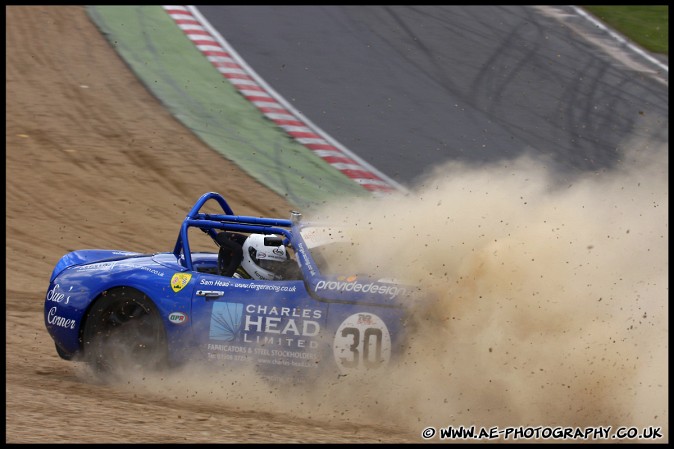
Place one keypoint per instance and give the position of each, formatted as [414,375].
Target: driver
[250,258]
[231,253]
[263,262]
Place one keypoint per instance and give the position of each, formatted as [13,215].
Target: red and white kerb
[270,104]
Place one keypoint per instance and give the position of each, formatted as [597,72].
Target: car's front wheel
[123,334]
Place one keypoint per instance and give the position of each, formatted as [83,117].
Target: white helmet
[259,260]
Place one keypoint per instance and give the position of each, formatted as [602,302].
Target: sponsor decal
[226,320]
[98,266]
[271,335]
[304,258]
[249,285]
[54,295]
[295,312]
[177,318]
[281,326]
[350,284]
[365,318]
[56,320]
[278,252]
[265,325]
[362,341]
[179,281]
[151,270]
[216,283]
[241,353]
[123,264]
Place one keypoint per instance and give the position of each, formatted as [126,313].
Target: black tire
[64,355]
[123,334]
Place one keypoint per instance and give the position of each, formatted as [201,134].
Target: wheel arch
[123,289]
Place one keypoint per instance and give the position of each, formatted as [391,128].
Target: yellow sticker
[180,280]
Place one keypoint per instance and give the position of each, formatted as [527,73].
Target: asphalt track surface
[409,87]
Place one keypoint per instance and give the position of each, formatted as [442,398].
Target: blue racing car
[267,295]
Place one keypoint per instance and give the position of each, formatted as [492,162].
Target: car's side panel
[73,291]
[68,297]
[274,325]
[364,337]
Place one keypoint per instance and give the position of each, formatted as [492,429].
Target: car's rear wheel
[123,334]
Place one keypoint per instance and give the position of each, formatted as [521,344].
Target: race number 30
[362,341]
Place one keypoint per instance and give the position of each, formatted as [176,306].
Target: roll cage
[227,221]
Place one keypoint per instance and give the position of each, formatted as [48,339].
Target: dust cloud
[543,304]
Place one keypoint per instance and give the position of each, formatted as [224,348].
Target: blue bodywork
[318,322]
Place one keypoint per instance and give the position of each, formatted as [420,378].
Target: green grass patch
[183,79]
[648,26]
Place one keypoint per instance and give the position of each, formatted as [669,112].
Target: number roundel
[362,342]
